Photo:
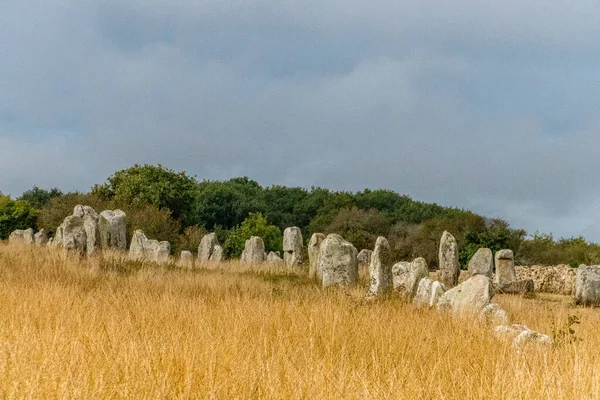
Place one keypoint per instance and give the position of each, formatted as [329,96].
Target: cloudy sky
[486,105]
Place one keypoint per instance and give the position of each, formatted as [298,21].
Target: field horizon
[112,328]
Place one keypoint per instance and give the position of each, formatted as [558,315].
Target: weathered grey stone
[524,287]
[482,263]
[493,315]
[406,277]
[142,248]
[470,297]
[113,230]
[380,268]
[186,260]
[21,236]
[273,257]
[57,240]
[505,268]
[531,339]
[314,246]
[587,285]
[437,290]
[559,279]
[90,224]
[292,246]
[74,235]
[41,238]
[217,254]
[423,294]
[254,251]
[364,257]
[207,246]
[508,332]
[337,262]
[448,260]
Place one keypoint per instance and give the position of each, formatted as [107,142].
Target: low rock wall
[559,279]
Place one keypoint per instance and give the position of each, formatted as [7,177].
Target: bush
[15,214]
[254,225]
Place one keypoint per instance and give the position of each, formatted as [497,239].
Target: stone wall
[559,279]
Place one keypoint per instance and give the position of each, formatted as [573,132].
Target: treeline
[174,206]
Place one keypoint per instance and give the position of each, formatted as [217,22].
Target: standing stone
[164,251]
[482,263]
[364,257]
[217,254]
[587,285]
[142,248]
[207,247]
[292,246]
[113,230]
[21,236]
[505,268]
[314,245]
[41,238]
[186,260]
[437,291]
[254,251]
[57,240]
[448,260]
[273,257]
[407,276]
[138,243]
[92,229]
[470,297]
[337,262]
[74,235]
[380,268]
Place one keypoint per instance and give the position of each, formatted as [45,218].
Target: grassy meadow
[110,328]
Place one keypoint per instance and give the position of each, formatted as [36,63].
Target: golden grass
[92,329]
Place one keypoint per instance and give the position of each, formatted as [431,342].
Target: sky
[490,106]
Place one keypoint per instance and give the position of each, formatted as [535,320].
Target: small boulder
[186,260]
[273,257]
[470,297]
[437,290]
[423,295]
[21,236]
[41,238]
[254,251]
[217,254]
[531,339]
[406,277]
[508,332]
[524,287]
[493,315]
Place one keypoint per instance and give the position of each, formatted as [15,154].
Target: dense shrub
[254,225]
[15,214]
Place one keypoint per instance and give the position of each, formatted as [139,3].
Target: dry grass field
[114,329]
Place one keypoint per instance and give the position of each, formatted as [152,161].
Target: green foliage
[15,214]
[38,198]
[254,225]
[151,185]
[542,249]
[360,227]
[190,239]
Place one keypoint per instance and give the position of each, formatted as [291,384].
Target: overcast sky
[486,105]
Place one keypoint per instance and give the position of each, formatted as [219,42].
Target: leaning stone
[524,287]
[273,257]
[380,268]
[364,257]
[493,315]
[587,285]
[41,238]
[406,277]
[448,260]
[531,339]
[186,260]
[508,332]
[22,236]
[314,245]
[217,254]
[292,246]
[505,268]
[468,298]
[482,263]
[423,295]
[207,247]
[113,230]
[74,235]
[254,251]
[337,261]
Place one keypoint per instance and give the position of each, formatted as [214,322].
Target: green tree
[38,198]
[360,227]
[153,185]
[15,214]
[254,225]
